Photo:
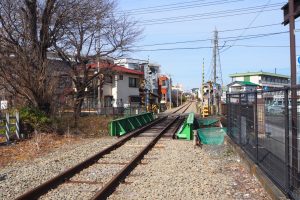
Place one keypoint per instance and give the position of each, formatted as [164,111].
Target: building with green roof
[242,86]
[262,80]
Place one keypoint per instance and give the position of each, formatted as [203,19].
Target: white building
[123,89]
[151,71]
[120,87]
[265,80]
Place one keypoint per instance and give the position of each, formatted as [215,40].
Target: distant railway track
[186,106]
[136,144]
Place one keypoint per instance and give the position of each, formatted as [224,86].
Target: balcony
[273,84]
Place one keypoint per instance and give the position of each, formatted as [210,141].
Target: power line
[164,5]
[231,38]
[253,27]
[250,24]
[208,47]
[190,6]
[203,18]
[237,11]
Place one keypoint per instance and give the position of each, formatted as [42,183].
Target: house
[151,72]
[196,93]
[120,87]
[242,86]
[265,80]
[164,89]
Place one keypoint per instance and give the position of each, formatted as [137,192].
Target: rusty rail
[42,189]
[109,188]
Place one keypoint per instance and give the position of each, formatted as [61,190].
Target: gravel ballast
[173,169]
[181,171]
[20,177]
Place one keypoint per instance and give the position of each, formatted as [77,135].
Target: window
[120,77]
[133,82]
[108,79]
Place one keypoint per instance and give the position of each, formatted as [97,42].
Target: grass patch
[89,126]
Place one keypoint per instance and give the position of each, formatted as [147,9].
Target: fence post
[17,124]
[256,124]
[7,128]
[286,141]
[228,113]
[240,118]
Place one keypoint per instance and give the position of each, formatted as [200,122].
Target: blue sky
[185,66]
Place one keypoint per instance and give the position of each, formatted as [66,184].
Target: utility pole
[202,86]
[215,49]
[170,90]
[99,88]
[290,12]
[177,96]
[293,95]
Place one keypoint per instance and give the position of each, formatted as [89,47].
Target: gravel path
[180,171]
[17,178]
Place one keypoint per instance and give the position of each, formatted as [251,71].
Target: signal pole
[214,84]
[202,86]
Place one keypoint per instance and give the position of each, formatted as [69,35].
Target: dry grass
[40,143]
[88,126]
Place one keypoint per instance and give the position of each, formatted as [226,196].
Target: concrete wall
[238,79]
[255,79]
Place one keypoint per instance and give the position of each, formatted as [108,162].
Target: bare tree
[93,33]
[28,28]
[76,30]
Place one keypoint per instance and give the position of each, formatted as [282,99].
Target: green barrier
[207,121]
[212,135]
[186,130]
[124,125]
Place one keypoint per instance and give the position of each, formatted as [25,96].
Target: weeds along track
[98,176]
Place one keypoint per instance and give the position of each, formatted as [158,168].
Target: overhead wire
[203,18]
[231,38]
[209,47]
[164,5]
[183,7]
[250,24]
[217,14]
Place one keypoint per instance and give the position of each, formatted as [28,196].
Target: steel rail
[181,108]
[42,189]
[187,108]
[181,120]
[109,188]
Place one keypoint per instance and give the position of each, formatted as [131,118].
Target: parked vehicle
[277,107]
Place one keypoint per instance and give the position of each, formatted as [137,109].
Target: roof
[117,68]
[244,83]
[261,73]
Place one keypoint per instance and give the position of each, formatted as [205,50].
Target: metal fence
[263,125]
[10,126]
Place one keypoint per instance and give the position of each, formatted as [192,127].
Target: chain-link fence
[264,125]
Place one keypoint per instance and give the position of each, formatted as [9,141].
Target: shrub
[34,119]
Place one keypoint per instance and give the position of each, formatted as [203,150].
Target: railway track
[98,176]
[185,107]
